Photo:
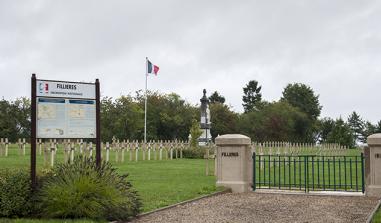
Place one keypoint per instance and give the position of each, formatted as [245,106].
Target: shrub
[81,190]
[15,193]
[194,153]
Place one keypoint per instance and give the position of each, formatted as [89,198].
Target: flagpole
[145,105]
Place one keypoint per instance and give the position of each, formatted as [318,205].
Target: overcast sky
[332,46]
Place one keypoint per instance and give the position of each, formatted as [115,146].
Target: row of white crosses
[165,149]
[295,149]
[4,146]
[288,148]
[151,150]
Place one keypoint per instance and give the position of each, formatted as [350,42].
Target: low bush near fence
[15,193]
[81,190]
[194,153]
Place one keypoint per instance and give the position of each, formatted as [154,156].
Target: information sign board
[61,109]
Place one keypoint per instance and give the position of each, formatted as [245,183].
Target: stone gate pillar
[373,166]
[234,162]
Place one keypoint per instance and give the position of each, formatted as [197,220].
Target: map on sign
[77,111]
[65,118]
[46,111]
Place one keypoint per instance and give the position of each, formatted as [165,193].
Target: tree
[277,121]
[216,98]
[195,133]
[368,130]
[224,121]
[252,96]
[378,127]
[357,126]
[325,126]
[15,119]
[304,98]
[168,116]
[341,133]
[121,118]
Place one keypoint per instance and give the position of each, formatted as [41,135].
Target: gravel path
[261,207]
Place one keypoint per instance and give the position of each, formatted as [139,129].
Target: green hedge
[15,193]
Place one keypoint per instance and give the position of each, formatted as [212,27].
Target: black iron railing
[308,172]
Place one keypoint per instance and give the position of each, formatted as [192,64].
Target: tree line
[295,117]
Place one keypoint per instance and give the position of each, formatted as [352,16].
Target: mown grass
[159,182]
[377,216]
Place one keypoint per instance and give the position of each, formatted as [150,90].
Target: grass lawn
[159,182]
[377,217]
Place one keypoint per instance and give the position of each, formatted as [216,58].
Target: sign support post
[33,134]
[98,125]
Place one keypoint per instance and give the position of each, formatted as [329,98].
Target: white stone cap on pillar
[374,139]
[233,139]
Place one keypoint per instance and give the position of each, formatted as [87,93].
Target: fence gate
[308,172]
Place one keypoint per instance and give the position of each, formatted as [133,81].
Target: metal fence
[308,172]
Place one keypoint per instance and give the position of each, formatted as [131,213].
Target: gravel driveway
[264,207]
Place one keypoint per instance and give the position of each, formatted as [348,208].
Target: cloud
[333,46]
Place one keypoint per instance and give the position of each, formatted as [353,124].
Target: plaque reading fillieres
[230,154]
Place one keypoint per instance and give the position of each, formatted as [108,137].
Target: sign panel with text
[60,89]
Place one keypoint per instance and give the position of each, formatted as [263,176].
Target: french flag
[152,68]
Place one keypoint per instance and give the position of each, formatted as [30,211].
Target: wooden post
[52,148]
[107,151]
[39,146]
[116,147]
[161,150]
[85,149]
[72,151]
[2,147]
[181,149]
[207,162]
[19,146]
[122,153]
[155,150]
[6,147]
[98,155]
[91,151]
[137,154]
[33,135]
[46,154]
[55,147]
[149,150]
[81,146]
[166,148]
[66,148]
[130,150]
[144,145]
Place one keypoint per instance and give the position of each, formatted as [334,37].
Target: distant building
[205,123]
